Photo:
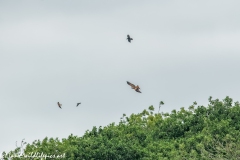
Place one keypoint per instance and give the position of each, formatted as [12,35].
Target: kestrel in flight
[129,38]
[136,88]
[59,105]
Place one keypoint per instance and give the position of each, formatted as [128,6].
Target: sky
[72,51]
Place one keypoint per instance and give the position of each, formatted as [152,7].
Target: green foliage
[198,132]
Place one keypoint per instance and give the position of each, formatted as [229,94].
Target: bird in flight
[129,38]
[59,105]
[78,104]
[136,88]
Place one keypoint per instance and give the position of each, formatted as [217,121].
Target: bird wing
[130,84]
[138,91]
[78,104]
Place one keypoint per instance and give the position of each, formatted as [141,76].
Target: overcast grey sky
[76,51]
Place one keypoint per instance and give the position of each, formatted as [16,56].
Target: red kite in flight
[136,88]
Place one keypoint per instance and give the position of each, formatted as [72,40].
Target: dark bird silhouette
[136,88]
[129,38]
[59,105]
[78,104]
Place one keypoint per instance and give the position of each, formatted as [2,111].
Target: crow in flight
[59,105]
[129,38]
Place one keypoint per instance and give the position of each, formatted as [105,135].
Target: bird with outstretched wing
[136,88]
[59,105]
[78,104]
[129,38]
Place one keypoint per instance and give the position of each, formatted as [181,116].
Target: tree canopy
[199,132]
